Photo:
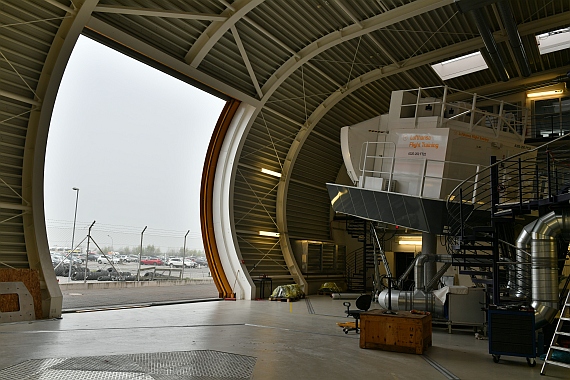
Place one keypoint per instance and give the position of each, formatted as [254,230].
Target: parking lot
[128,271]
[77,295]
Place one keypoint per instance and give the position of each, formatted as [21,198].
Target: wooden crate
[402,332]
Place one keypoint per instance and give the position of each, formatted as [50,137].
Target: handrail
[498,163]
[421,175]
[519,185]
[515,125]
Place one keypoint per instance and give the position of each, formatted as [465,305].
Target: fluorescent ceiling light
[270,234]
[544,93]
[457,67]
[410,242]
[553,41]
[270,172]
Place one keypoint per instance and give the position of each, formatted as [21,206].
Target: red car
[152,261]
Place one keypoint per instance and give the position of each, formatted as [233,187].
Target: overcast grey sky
[133,140]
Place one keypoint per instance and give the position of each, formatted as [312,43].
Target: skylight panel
[457,67]
[553,41]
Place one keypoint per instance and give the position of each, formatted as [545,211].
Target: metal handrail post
[462,234]
[549,174]
[475,184]
[418,99]
[423,178]
[473,108]
[520,186]
[443,100]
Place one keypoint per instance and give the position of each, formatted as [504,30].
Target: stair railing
[523,179]
[520,183]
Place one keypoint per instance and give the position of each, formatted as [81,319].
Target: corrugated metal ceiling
[274,34]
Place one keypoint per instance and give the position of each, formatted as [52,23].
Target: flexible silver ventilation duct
[523,270]
[417,299]
[544,261]
[419,273]
[540,236]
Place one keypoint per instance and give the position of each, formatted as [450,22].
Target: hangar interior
[347,136]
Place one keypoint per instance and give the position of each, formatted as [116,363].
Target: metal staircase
[483,210]
[356,261]
[365,259]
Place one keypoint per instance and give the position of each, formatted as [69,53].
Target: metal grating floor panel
[181,365]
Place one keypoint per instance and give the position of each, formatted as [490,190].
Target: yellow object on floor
[346,324]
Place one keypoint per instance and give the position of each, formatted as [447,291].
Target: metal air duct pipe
[429,246]
[417,299]
[544,259]
[423,272]
[514,37]
[490,43]
[523,271]
[410,300]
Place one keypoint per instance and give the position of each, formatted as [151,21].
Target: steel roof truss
[246,61]
[158,13]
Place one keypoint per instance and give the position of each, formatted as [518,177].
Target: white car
[108,260]
[190,263]
[174,262]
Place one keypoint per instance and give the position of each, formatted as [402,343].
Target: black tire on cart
[496,358]
[531,362]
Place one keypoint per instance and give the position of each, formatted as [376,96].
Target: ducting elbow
[419,272]
[544,265]
[523,270]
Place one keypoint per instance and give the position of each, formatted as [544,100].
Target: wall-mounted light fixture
[268,233]
[411,240]
[552,90]
[544,93]
[270,172]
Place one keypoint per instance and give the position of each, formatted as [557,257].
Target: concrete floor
[297,340]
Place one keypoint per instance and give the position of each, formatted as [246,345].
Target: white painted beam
[14,206]
[247,62]
[214,32]
[117,9]
[19,98]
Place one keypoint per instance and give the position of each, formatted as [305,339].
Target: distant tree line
[151,250]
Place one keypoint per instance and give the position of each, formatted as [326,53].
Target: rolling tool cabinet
[512,333]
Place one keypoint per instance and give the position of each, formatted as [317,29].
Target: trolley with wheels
[512,333]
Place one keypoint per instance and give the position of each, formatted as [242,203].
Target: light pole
[76,189]
[140,255]
[184,254]
[112,245]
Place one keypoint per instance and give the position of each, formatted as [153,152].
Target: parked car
[201,261]
[92,257]
[108,259]
[152,261]
[174,262]
[56,258]
[133,258]
[190,263]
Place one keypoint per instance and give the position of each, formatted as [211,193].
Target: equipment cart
[512,333]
